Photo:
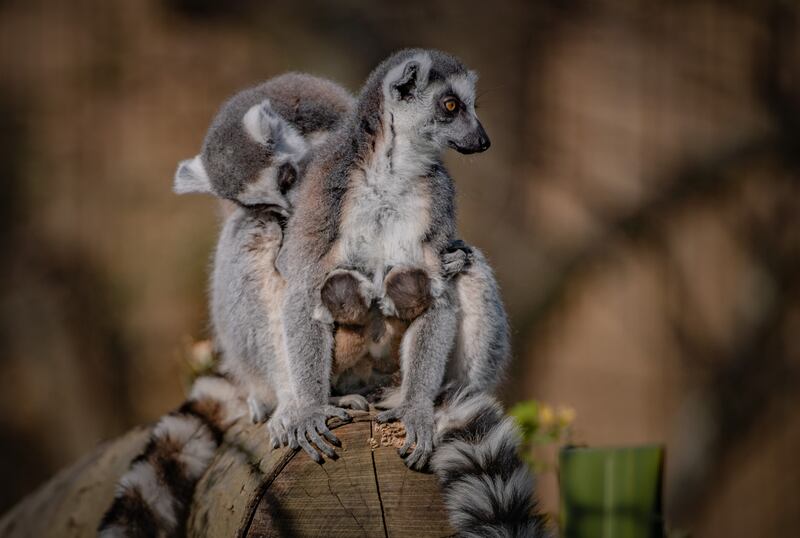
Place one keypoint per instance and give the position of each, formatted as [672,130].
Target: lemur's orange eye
[451,105]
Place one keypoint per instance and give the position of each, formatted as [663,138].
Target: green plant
[542,426]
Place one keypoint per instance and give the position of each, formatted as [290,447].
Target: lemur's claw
[309,430]
[277,432]
[418,458]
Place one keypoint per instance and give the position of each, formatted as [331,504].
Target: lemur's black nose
[475,142]
[483,138]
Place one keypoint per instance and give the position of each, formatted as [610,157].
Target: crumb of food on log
[390,434]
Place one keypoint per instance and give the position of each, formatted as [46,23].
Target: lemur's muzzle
[474,142]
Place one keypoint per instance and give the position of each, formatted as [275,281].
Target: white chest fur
[387,211]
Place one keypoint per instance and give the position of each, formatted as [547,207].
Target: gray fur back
[309,104]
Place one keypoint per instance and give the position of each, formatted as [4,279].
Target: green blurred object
[611,492]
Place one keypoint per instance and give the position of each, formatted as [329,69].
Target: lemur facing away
[288,116]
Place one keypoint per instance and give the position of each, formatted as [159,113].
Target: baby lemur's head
[431,96]
[260,141]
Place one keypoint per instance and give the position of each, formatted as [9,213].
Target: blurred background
[640,204]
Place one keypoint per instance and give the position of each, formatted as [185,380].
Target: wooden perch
[251,490]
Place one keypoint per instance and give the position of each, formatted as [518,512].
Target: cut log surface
[251,490]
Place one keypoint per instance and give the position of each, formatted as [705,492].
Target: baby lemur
[373,214]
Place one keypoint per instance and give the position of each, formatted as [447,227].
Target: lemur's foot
[308,425]
[350,401]
[456,258]
[409,292]
[417,418]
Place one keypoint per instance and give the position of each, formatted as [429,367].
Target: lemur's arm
[308,336]
[309,346]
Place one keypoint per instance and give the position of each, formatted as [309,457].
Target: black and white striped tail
[153,497]
[487,488]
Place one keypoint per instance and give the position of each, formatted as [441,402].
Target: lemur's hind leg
[408,293]
[483,346]
[425,348]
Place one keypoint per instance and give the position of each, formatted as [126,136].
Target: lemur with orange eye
[257,149]
[373,214]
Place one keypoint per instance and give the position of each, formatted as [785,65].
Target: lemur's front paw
[456,258]
[418,421]
[308,425]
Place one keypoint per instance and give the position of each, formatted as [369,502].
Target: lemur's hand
[299,427]
[417,418]
[456,257]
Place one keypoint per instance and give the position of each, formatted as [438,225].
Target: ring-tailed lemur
[252,154]
[377,205]
[375,209]
[156,491]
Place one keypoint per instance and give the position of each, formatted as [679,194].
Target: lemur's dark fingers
[458,244]
[293,441]
[274,436]
[419,457]
[411,438]
[321,445]
[323,429]
[310,450]
[390,415]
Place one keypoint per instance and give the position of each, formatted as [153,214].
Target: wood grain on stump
[251,490]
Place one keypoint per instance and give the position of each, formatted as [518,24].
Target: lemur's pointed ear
[191,177]
[406,80]
[262,123]
[405,87]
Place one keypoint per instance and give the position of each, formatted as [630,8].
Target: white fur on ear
[419,65]
[262,123]
[191,177]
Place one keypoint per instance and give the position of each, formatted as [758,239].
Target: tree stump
[251,490]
